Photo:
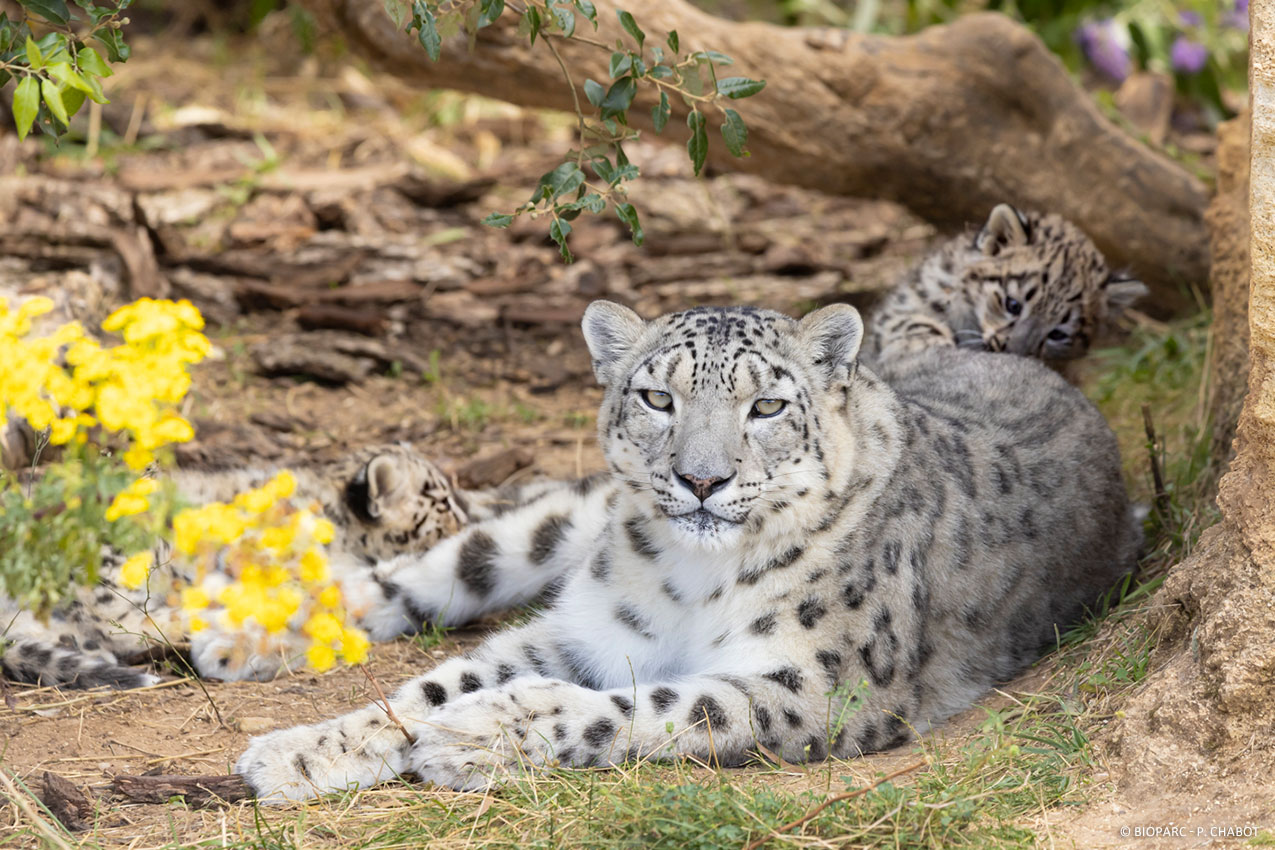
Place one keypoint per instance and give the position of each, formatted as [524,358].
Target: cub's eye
[1013,307]
[1058,335]
[657,400]
[764,408]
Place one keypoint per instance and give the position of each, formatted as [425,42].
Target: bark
[1202,721]
[948,122]
[197,790]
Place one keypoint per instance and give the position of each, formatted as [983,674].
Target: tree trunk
[1200,726]
[949,122]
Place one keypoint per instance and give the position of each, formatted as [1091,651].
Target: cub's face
[1042,288]
[714,415]
[401,503]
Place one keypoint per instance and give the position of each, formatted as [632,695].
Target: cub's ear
[1006,227]
[1121,293]
[832,336]
[387,482]
[611,330]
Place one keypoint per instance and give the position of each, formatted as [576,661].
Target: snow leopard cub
[1026,283]
[785,538]
[383,501]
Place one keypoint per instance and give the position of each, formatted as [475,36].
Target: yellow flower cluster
[260,568]
[55,381]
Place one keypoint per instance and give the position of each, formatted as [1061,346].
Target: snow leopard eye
[1013,307]
[657,400]
[764,408]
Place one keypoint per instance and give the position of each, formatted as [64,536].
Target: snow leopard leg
[39,662]
[507,560]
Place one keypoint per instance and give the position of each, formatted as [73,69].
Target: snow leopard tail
[40,663]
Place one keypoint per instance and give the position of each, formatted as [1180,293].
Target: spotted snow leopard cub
[1026,283]
[383,501]
[780,525]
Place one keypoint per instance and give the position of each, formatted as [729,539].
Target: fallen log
[949,122]
[197,790]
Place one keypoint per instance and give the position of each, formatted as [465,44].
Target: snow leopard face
[713,416]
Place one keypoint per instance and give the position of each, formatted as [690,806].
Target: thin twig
[1157,473]
[387,708]
[774,833]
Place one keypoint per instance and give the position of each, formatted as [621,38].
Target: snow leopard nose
[703,487]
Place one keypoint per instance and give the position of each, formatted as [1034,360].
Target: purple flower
[1237,18]
[1188,56]
[1103,43]
[1192,19]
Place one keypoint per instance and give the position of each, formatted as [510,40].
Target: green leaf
[672,41]
[429,37]
[594,91]
[737,87]
[90,61]
[735,133]
[491,12]
[657,54]
[565,18]
[398,10]
[558,231]
[113,41]
[533,19]
[697,145]
[26,105]
[603,168]
[500,220]
[54,11]
[66,75]
[592,202]
[629,216]
[567,177]
[620,64]
[589,11]
[712,56]
[34,58]
[661,72]
[631,27]
[53,99]
[72,99]
[660,113]
[619,97]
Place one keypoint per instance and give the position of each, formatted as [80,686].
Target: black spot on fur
[708,707]
[763,717]
[764,624]
[559,732]
[810,611]
[793,718]
[831,663]
[504,673]
[633,620]
[469,682]
[600,569]
[547,537]
[635,528]
[477,563]
[623,703]
[789,677]
[599,733]
[434,693]
[663,699]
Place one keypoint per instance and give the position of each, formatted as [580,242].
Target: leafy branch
[59,70]
[593,176]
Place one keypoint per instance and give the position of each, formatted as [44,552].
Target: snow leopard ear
[1121,293]
[832,335]
[611,330]
[387,482]
[1006,227]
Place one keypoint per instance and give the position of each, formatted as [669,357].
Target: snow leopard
[383,501]
[789,555]
[1027,283]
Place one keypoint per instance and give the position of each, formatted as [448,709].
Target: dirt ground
[265,182]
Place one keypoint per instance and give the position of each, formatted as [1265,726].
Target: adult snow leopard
[1027,283]
[780,525]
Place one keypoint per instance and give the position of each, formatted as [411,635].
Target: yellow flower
[321,657]
[314,567]
[132,499]
[324,531]
[197,624]
[323,628]
[282,485]
[354,646]
[194,598]
[330,597]
[134,571]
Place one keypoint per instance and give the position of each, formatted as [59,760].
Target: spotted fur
[789,554]
[383,501]
[1026,283]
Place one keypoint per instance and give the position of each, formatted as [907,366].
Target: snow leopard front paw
[484,738]
[354,751]
[232,658]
